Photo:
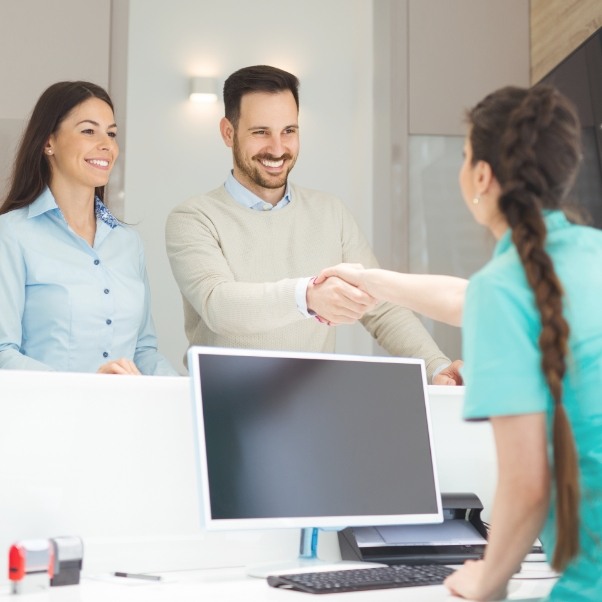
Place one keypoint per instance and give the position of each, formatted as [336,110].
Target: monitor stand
[307,560]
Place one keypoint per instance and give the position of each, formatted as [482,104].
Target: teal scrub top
[503,376]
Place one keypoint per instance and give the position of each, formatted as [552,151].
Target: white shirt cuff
[301,295]
[438,369]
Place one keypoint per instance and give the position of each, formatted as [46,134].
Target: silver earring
[49,151]
[476,200]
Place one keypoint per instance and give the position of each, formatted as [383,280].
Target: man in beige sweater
[245,254]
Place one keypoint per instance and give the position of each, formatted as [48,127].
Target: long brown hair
[31,171]
[531,140]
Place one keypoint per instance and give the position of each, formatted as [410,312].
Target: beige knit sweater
[237,269]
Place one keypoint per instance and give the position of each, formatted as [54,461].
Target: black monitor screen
[312,440]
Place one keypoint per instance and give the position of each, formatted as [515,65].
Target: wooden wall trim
[557,28]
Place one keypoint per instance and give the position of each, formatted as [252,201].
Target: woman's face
[84,148]
[466,176]
[478,183]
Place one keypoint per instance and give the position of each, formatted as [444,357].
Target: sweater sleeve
[228,307]
[401,333]
[394,327]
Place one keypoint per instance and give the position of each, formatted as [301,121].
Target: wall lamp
[203,89]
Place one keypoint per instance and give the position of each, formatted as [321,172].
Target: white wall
[174,147]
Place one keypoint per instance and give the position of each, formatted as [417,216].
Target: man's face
[265,144]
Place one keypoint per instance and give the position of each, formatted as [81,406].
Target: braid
[525,191]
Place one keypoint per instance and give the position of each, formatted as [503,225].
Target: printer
[461,536]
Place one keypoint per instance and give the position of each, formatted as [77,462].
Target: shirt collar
[248,199]
[104,215]
[46,202]
[554,220]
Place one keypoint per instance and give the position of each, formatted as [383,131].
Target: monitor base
[307,561]
[303,565]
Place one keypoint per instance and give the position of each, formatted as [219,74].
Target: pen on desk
[137,576]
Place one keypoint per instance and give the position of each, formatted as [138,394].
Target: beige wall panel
[455,57]
[557,28]
[44,41]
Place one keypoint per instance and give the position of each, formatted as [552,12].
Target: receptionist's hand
[338,302]
[120,366]
[472,582]
[349,272]
[450,375]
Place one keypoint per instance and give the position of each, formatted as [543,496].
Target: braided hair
[531,140]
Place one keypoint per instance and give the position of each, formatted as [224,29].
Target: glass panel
[444,238]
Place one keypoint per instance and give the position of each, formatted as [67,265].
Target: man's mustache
[286,157]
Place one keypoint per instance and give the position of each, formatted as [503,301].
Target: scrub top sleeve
[502,359]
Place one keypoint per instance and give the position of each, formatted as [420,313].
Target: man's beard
[253,172]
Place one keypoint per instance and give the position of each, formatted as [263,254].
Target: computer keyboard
[353,580]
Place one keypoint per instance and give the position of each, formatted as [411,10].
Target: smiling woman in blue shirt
[74,291]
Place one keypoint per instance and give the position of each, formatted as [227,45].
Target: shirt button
[109,321]
[105,354]
[96,261]
[106,291]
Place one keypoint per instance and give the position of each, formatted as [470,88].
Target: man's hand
[338,302]
[450,375]
[120,366]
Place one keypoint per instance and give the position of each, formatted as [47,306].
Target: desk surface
[232,585]
[111,459]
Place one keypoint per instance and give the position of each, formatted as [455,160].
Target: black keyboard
[353,580]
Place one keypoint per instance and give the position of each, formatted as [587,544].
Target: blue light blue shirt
[66,305]
[503,375]
[250,200]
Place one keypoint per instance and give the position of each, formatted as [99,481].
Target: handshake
[336,295]
[342,294]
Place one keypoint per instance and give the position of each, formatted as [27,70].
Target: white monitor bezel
[328,522]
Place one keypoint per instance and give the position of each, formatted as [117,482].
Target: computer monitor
[288,439]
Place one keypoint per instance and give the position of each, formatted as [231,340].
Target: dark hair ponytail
[535,160]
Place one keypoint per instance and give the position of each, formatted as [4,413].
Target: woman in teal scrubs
[532,341]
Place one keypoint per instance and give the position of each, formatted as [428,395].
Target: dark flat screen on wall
[579,77]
